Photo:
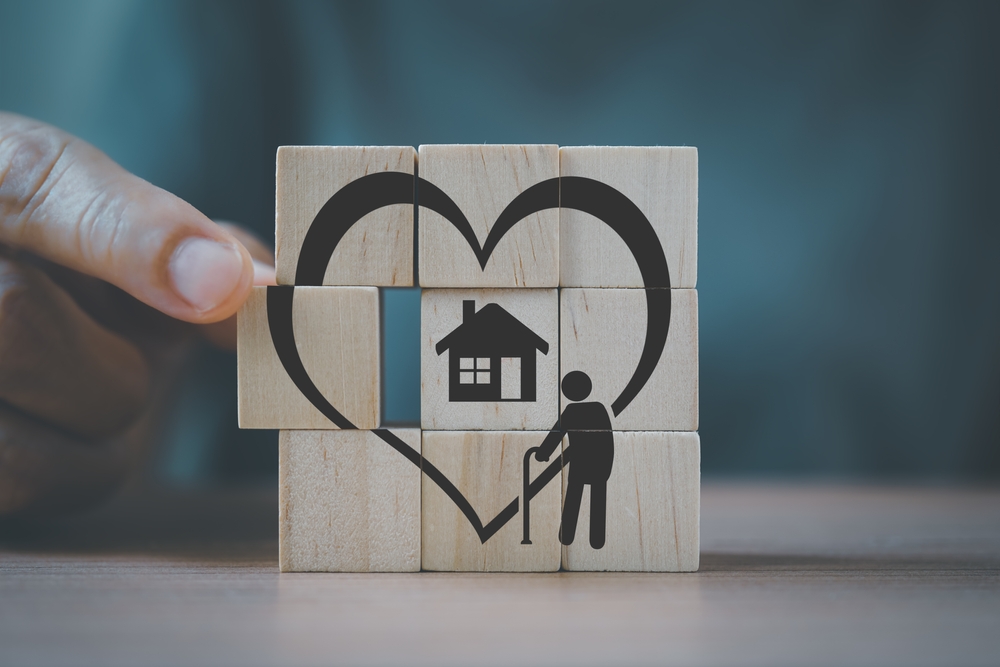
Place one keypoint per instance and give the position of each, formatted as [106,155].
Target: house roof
[494,329]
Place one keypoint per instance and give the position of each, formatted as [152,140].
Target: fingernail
[205,272]
[263,274]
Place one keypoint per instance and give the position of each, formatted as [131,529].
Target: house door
[510,378]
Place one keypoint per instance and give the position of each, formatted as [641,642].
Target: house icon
[492,356]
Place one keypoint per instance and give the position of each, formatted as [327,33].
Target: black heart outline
[374,191]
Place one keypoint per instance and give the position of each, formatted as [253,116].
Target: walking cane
[524,492]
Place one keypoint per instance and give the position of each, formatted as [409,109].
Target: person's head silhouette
[576,385]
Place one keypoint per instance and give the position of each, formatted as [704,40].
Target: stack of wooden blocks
[560,293]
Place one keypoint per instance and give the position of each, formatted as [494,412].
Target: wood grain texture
[653,506]
[602,333]
[337,335]
[378,249]
[793,573]
[482,180]
[347,502]
[486,466]
[663,183]
[441,313]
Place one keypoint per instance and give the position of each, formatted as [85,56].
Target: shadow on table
[231,524]
[238,526]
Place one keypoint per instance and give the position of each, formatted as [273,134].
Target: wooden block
[602,334]
[348,502]
[653,501]
[663,183]
[337,335]
[489,359]
[482,181]
[486,466]
[378,249]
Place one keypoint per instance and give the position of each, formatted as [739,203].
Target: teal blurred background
[849,227]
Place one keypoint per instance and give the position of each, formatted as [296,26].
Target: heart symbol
[374,191]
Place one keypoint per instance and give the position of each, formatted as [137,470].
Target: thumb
[66,201]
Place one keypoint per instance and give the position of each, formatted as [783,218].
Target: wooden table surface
[792,574]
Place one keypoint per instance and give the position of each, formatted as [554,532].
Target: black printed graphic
[593,443]
[491,356]
[374,191]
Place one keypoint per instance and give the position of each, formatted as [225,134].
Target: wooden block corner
[337,334]
[653,506]
[603,332]
[486,467]
[524,377]
[662,181]
[378,249]
[348,502]
[482,180]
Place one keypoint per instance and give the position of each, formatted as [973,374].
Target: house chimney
[468,310]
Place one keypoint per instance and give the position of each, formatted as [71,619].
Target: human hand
[105,280]
[540,457]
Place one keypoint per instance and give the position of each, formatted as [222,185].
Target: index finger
[66,201]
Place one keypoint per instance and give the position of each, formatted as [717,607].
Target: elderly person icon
[589,428]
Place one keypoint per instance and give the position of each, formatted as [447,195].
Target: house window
[474,370]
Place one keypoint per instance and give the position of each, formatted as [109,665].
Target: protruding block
[653,504]
[482,181]
[663,183]
[337,336]
[603,332]
[486,466]
[489,359]
[378,249]
[348,502]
